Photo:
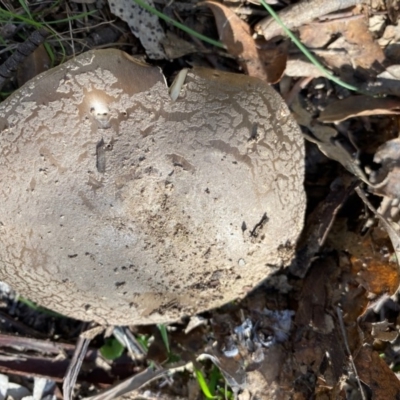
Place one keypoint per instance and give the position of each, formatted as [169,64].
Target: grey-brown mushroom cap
[124,207]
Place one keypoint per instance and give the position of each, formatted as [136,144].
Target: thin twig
[346,343]
[75,366]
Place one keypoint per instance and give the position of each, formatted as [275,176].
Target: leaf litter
[236,35]
[286,337]
[144,25]
[360,106]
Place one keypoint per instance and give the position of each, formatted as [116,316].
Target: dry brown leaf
[378,277]
[176,47]
[274,62]
[370,267]
[300,67]
[310,39]
[330,143]
[314,300]
[393,10]
[364,51]
[236,35]
[143,24]
[386,179]
[356,106]
[355,46]
[374,372]
[299,14]
[365,269]
[384,331]
[36,63]
[308,351]
[264,382]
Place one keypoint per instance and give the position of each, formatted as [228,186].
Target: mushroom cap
[122,206]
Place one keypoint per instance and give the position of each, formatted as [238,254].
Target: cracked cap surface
[123,207]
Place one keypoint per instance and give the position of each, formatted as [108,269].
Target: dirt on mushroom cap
[122,206]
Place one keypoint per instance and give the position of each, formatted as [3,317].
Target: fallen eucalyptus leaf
[144,25]
[384,331]
[328,141]
[357,106]
[237,37]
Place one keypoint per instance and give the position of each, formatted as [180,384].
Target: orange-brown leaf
[374,372]
[236,35]
[34,64]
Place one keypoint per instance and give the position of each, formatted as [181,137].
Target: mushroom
[122,206]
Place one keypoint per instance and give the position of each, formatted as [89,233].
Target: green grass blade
[6,16]
[177,24]
[143,341]
[215,376]
[164,336]
[50,53]
[72,18]
[305,51]
[40,309]
[26,8]
[203,384]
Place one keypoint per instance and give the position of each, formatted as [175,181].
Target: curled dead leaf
[357,106]
[329,141]
[236,35]
[384,331]
[143,24]
[387,178]
[345,42]
[36,63]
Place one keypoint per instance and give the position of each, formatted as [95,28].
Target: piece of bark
[10,66]
[74,367]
